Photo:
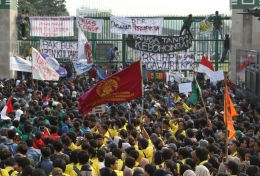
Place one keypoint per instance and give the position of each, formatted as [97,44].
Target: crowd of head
[161,134]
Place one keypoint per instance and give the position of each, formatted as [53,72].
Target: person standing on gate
[21,22]
[225,49]
[187,24]
[217,24]
[111,55]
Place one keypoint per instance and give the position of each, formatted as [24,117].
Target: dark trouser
[224,54]
[187,29]
[23,29]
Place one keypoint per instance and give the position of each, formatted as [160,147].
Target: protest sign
[84,47]
[20,64]
[185,87]
[164,61]
[217,76]
[90,25]
[99,109]
[52,26]
[81,67]
[159,44]
[59,49]
[141,26]
[41,70]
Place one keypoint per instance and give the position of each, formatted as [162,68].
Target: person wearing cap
[239,134]
[232,167]
[173,149]
[38,143]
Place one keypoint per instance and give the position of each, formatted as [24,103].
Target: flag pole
[202,98]
[226,118]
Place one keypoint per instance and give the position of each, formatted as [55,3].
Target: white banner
[167,61]
[52,26]
[81,67]
[19,64]
[40,69]
[90,24]
[59,49]
[142,26]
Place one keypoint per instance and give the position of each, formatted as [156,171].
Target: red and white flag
[7,109]
[205,66]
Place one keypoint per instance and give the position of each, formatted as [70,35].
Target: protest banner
[84,47]
[59,49]
[185,87]
[141,26]
[19,64]
[90,24]
[52,26]
[159,44]
[41,70]
[81,67]
[164,61]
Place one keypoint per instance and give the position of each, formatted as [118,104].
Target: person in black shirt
[226,48]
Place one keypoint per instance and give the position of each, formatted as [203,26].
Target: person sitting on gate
[112,54]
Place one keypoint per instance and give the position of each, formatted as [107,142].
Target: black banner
[159,44]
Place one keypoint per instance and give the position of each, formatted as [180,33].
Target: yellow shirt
[8,169]
[160,166]
[145,153]
[103,145]
[73,173]
[64,174]
[120,164]
[106,138]
[5,173]
[74,147]
[119,173]
[234,154]
[136,165]
[175,128]
[179,166]
[203,162]
[69,168]
[112,132]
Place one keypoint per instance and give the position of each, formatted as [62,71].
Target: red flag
[122,86]
[9,106]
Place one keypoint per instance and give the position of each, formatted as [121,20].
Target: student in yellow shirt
[134,154]
[183,153]
[111,162]
[101,154]
[118,126]
[130,162]
[9,166]
[73,162]
[118,154]
[104,131]
[100,141]
[73,139]
[83,164]
[20,164]
[200,155]
[178,126]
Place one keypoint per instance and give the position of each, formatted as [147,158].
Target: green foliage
[44,7]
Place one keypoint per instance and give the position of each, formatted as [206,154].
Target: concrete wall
[8,40]
[245,35]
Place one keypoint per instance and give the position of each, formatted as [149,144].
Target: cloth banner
[122,86]
[168,61]
[84,47]
[101,73]
[141,26]
[159,44]
[19,64]
[52,26]
[59,49]
[55,64]
[41,70]
[90,24]
[81,67]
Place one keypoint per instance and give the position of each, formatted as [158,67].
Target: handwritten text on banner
[52,26]
[90,25]
[142,26]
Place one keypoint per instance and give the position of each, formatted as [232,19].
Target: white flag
[84,49]
[41,70]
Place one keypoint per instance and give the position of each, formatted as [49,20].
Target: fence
[203,44]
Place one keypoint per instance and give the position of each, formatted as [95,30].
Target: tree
[45,7]
[24,4]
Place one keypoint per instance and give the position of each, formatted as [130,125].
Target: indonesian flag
[205,66]
[8,108]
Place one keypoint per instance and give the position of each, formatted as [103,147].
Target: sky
[153,7]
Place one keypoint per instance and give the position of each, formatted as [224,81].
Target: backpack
[10,147]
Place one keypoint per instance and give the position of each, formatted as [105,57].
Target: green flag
[195,96]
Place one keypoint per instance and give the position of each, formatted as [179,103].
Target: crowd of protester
[45,134]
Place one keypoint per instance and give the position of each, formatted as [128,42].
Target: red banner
[122,86]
